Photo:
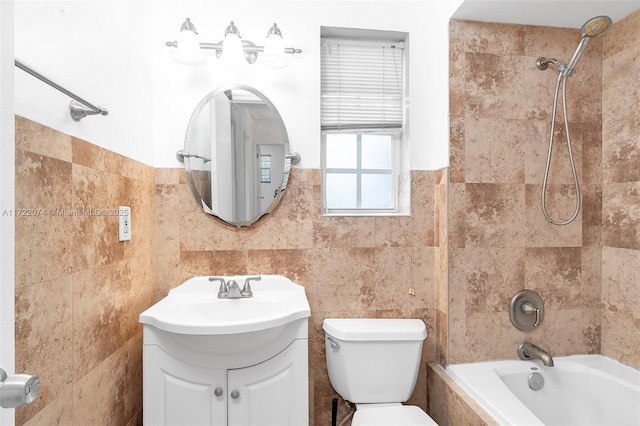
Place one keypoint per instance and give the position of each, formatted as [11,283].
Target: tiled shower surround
[79,291]
[499,242]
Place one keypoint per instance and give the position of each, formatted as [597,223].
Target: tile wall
[350,267]
[500,243]
[78,290]
[621,191]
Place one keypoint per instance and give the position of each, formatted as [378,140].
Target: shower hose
[561,79]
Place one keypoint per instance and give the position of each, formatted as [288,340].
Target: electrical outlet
[124,225]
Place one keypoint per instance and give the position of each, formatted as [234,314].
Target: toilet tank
[373,360]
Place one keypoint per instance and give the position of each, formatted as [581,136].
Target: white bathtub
[580,390]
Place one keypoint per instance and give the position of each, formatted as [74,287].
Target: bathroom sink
[194,307]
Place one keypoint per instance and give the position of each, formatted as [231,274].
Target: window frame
[400,156]
[396,142]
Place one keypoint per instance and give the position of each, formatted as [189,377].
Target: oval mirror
[236,155]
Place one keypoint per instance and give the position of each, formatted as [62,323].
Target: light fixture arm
[250,49]
[218,47]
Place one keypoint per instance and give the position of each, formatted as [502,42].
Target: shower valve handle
[529,309]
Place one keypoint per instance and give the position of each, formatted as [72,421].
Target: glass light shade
[273,55]
[188,50]
[232,52]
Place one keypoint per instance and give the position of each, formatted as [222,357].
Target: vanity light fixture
[232,50]
[188,45]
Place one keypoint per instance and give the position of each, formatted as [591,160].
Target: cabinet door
[272,393]
[179,394]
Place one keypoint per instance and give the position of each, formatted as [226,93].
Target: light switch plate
[124,228]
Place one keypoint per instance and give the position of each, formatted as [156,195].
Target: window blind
[361,85]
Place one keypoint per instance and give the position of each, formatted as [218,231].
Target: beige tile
[106,302]
[59,412]
[344,232]
[88,155]
[490,160]
[392,280]
[561,204]
[620,337]
[555,273]
[39,139]
[591,215]
[168,176]
[620,215]
[622,36]
[457,148]
[99,396]
[620,283]
[44,248]
[482,37]
[457,215]
[393,231]
[580,332]
[591,282]
[494,215]
[492,276]
[537,149]
[620,112]
[551,42]
[44,340]
[346,279]
[423,209]
[494,86]
[213,262]
[43,184]
[293,263]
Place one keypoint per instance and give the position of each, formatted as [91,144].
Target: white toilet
[374,364]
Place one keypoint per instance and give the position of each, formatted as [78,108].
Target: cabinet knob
[218,391]
[235,394]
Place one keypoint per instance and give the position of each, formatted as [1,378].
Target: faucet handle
[246,289]
[223,286]
[529,309]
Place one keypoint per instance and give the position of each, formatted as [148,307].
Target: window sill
[367,214]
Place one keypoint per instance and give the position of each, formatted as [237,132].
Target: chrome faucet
[528,350]
[231,290]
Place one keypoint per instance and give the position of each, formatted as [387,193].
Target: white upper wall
[99,50]
[295,90]
[113,54]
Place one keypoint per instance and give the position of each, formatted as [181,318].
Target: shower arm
[543,63]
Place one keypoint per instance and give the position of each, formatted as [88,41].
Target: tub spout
[530,351]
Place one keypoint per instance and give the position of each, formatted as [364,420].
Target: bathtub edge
[441,390]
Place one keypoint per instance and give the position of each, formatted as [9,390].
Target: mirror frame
[287,154]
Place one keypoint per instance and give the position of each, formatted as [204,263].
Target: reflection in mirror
[236,155]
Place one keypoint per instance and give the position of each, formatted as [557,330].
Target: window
[362,119]
[359,172]
[265,169]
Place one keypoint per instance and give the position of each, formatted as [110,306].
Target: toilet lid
[403,415]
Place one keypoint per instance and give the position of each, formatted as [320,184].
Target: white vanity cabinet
[238,361]
[187,384]
[271,393]
[176,393]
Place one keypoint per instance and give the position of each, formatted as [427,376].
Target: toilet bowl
[374,364]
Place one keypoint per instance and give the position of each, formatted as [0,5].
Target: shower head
[594,27]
